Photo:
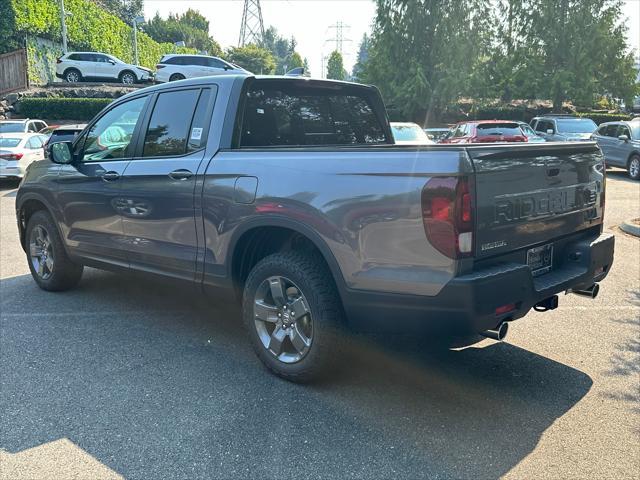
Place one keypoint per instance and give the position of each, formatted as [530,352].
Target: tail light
[59,60]
[490,139]
[11,156]
[447,215]
[159,66]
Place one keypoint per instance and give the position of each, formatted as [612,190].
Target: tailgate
[534,193]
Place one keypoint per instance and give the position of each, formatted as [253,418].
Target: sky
[309,21]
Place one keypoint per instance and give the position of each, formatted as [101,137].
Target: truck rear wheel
[292,313]
[49,264]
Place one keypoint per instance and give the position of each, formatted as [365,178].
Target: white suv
[181,66]
[79,66]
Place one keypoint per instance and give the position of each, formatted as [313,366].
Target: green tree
[126,10]
[423,52]
[305,64]
[192,28]
[335,67]
[575,50]
[363,57]
[256,59]
[282,49]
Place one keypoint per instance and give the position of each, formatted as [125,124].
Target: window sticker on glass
[196,133]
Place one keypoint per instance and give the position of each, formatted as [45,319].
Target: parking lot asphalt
[128,376]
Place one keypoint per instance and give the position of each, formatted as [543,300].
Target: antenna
[252,26]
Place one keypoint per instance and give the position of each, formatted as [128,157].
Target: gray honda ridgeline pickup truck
[289,195]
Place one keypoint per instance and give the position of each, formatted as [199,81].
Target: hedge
[89,27]
[605,117]
[56,108]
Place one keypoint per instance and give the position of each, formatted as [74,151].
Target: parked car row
[619,141]
[96,66]
[21,144]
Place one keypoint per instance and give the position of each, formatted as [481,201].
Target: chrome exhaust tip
[591,292]
[499,333]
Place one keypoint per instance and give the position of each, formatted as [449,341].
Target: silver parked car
[620,144]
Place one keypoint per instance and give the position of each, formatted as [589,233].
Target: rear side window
[308,116]
[169,132]
[498,129]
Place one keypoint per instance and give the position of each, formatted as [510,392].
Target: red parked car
[486,131]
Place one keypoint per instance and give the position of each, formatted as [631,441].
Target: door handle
[181,174]
[110,176]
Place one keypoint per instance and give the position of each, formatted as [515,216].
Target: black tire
[64,273]
[72,75]
[633,167]
[127,78]
[176,76]
[311,275]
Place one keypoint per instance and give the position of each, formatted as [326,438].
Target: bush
[52,108]
[605,117]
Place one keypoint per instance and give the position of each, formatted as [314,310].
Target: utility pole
[339,39]
[63,22]
[136,21]
[252,26]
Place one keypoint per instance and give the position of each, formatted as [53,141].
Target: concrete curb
[630,228]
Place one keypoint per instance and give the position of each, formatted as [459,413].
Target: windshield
[408,133]
[498,129]
[528,130]
[576,125]
[11,127]
[9,142]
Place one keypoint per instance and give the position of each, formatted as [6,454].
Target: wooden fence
[13,71]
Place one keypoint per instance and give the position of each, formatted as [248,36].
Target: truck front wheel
[292,313]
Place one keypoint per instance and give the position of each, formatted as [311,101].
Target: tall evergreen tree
[423,52]
[363,57]
[335,67]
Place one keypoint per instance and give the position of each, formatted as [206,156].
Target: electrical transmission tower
[339,39]
[252,27]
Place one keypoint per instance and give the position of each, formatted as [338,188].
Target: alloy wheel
[283,319]
[634,167]
[72,77]
[41,252]
[128,78]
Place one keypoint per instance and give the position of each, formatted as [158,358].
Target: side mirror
[227,67]
[623,138]
[550,131]
[112,62]
[60,152]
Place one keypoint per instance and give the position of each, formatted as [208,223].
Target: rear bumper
[467,304]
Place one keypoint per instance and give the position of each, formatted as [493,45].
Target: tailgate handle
[553,172]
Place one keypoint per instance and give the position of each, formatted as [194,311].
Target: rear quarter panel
[365,204]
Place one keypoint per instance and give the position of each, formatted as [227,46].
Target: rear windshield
[12,127]
[576,125]
[288,115]
[9,142]
[498,129]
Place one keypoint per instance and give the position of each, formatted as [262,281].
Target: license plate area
[540,259]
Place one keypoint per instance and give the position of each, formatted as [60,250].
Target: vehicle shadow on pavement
[155,382]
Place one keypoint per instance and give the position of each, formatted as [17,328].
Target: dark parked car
[486,131]
[564,128]
[290,195]
[620,144]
